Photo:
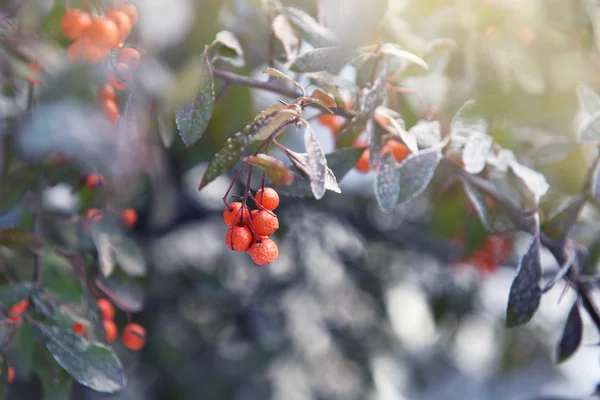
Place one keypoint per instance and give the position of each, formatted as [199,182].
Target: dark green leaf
[50,27]
[13,293]
[560,223]
[265,123]
[387,182]
[274,169]
[228,49]
[15,237]
[192,119]
[317,163]
[525,292]
[329,59]
[415,173]
[91,364]
[14,188]
[127,293]
[572,335]
[309,29]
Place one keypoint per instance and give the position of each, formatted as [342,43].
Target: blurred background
[360,304]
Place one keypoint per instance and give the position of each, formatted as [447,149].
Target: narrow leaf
[282,29]
[480,204]
[310,30]
[91,364]
[329,59]
[192,119]
[317,163]
[387,182]
[572,335]
[525,292]
[275,170]
[476,151]
[280,75]
[415,173]
[589,101]
[228,49]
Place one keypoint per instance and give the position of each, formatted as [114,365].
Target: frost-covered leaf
[466,123]
[480,204]
[589,100]
[397,126]
[282,29]
[274,169]
[309,29]
[317,163]
[427,133]
[387,182]
[525,292]
[375,134]
[533,180]
[228,49]
[572,335]
[475,152]
[192,118]
[92,364]
[328,59]
[229,155]
[590,131]
[395,51]
[416,172]
[501,160]
[281,76]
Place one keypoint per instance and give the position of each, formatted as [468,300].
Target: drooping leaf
[317,162]
[92,364]
[324,98]
[589,101]
[127,293]
[192,118]
[229,155]
[395,51]
[560,222]
[533,180]
[282,29]
[339,163]
[227,48]
[415,173]
[572,335]
[275,170]
[15,237]
[525,292]
[280,75]
[475,152]
[328,59]
[387,182]
[480,204]
[466,122]
[309,29]
[590,131]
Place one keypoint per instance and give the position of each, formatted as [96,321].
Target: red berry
[263,251]
[264,222]
[107,309]
[93,180]
[106,92]
[238,238]
[364,164]
[129,217]
[399,150]
[104,32]
[36,68]
[110,329]
[123,23]
[79,329]
[11,374]
[134,336]
[232,216]
[111,110]
[131,11]
[75,23]
[268,198]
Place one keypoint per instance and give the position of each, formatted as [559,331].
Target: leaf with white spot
[525,291]
[317,163]
[387,182]
[480,204]
[475,152]
[416,172]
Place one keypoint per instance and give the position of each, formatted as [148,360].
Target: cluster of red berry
[94,38]
[250,229]
[128,216]
[495,250]
[133,336]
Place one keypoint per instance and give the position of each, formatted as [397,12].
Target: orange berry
[104,32]
[131,11]
[107,309]
[232,216]
[84,50]
[363,163]
[129,217]
[134,336]
[327,119]
[238,238]
[11,374]
[37,68]
[264,251]
[268,198]
[399,150]
[123,23]
[120,76]
[264,222]
[110,329]
[130,57]
[92,181]
[17,310]
[111,110]
[79,329]
[106,92]
[75,23]
[94,214]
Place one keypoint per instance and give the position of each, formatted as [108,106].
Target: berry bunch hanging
[250,229]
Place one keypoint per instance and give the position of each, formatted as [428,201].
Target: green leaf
[92,364]
[339,163]
[572,335]
[13,293]
[309,29]
[387,182]
[228,49]
[15,185]
[280,75]
[192,119]
[269,121]
[127,293]
[328,59]
[3,374]
[274,169]
[375,134]
[525,292]
[15,237]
